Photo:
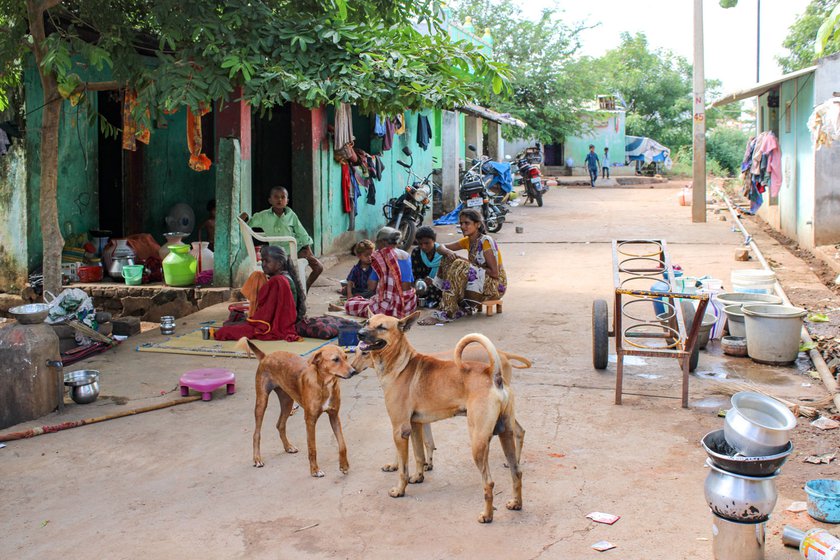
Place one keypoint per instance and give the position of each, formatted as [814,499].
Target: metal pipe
[819,363]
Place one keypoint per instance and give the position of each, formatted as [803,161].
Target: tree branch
[48,4]
[97,86]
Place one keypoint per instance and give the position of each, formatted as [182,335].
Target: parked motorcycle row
[486,185]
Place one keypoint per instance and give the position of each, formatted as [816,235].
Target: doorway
[111,201]
[271,156]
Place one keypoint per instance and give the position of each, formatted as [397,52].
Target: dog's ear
[315,359]
[407,322]
[370,313]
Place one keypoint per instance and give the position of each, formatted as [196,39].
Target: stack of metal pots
[744,460]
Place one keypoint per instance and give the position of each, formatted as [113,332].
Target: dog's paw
[318,474]
[291,449]
[258,463]
[344,469]
[514,504]
[428,466]
[389,468]
[396,492]
[484,518]
[416,478]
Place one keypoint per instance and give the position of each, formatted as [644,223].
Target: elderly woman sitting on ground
[390,281]
[466,282]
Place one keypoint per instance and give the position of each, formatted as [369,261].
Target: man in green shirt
[280,220]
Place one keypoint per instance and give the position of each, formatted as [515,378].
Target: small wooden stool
[207,380]
[492,306]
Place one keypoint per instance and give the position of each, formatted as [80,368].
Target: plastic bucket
[735,320]
[753,281]
[711,284]
[773,332]
[737,541]
[663,286]
[709,321]
[824,499]
[740,298]
[348,336]
[133,274]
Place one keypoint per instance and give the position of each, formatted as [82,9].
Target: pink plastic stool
[206,381]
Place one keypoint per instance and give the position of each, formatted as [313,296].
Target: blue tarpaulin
[450,219]
[501,175]
[640,148]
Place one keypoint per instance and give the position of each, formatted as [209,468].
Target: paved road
[178,483]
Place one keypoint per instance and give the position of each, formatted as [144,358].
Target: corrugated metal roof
[490,115]
[762,88]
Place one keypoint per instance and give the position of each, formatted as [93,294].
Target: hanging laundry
[198,161]
[132,133]
[399,124]
[343,126]
[424,131]
[379,126]
[345,188]
[824,123]
[388,139]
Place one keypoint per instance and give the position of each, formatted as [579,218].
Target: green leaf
[818,318]
[497,84]
[807,347]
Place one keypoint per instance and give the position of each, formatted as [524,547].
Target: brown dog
[312,383]
[420,389]
[363,360]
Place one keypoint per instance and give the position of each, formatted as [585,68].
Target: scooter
[407,212]
[475,192]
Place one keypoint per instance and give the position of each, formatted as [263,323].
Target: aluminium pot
[738,497]
[758,425]
[737,541]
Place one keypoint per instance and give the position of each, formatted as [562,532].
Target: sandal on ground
[435,318]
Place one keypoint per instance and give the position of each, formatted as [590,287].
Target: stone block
[209,298]
[64,331]
[126,326]
[742,254]
[66,344]
[102,316]
[177,308]
[105,328]
[136,306]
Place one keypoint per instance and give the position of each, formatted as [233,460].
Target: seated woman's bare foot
[335,307]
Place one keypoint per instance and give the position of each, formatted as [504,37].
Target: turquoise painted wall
[78,205]
[607,131]
[167,177]
[803,104]
[332,224]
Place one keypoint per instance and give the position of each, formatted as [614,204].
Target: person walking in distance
[592,163]
[605,164]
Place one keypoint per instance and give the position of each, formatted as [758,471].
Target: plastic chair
[248,236]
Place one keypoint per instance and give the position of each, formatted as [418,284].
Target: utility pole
[757,40]
[698,191]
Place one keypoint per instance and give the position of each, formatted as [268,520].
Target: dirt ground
[179,483]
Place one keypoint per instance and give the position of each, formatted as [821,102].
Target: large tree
[548,86]
[802,37]
[175,54]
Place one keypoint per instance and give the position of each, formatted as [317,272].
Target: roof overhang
[761,89]
[490,115]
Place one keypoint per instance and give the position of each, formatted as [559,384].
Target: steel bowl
[738,497]
[30,314]
[727,458]
[84,385]
[758,425]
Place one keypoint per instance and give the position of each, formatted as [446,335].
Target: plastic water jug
[179,266]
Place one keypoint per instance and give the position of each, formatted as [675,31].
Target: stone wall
[151,303]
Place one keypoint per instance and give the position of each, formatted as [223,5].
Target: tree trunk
[50,230]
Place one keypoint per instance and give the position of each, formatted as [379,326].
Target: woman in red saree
[391,280]
[278,304]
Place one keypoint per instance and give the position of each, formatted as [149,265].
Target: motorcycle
[530,176]
[476,189]
[407,212]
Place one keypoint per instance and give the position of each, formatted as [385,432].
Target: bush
[726,145]
[683,164]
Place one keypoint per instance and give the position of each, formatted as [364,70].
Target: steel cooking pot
[738,497]
[758,425]
[117,264]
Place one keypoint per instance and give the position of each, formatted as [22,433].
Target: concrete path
[179,483]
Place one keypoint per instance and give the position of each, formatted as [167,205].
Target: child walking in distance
[592,163]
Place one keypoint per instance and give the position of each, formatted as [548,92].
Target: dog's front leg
[429,444]
[401,435]
[311,419]
[417,442]
[335,422]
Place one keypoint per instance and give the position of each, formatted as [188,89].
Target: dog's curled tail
[525,363]
[495,360]
[249,348]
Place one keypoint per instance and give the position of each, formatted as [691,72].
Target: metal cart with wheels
[672,334]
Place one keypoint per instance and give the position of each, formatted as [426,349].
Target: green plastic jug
[179,266]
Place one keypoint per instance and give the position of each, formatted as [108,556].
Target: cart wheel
[600,334]
[688,317]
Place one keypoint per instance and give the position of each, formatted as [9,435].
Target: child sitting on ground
[425,263]
[357,280]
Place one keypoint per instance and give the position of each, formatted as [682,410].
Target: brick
[126,326]
[742,254]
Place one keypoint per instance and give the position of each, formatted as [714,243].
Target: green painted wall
[13,253]
[332,227]
[603,134]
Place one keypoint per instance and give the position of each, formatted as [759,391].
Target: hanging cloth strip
[131,131]
[198,161]
[424,132]
[343,125]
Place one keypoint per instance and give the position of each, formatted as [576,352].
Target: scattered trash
[307,527]
[823,459]
[807,347]
[818,318]
[629,360]
[648,375]
[806,384]
[712,374]
[600,517]
[722,413]
[814,375]
[601,546]
[45,523]
[816,544]
[2,445]
[824,423]
[797,507]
